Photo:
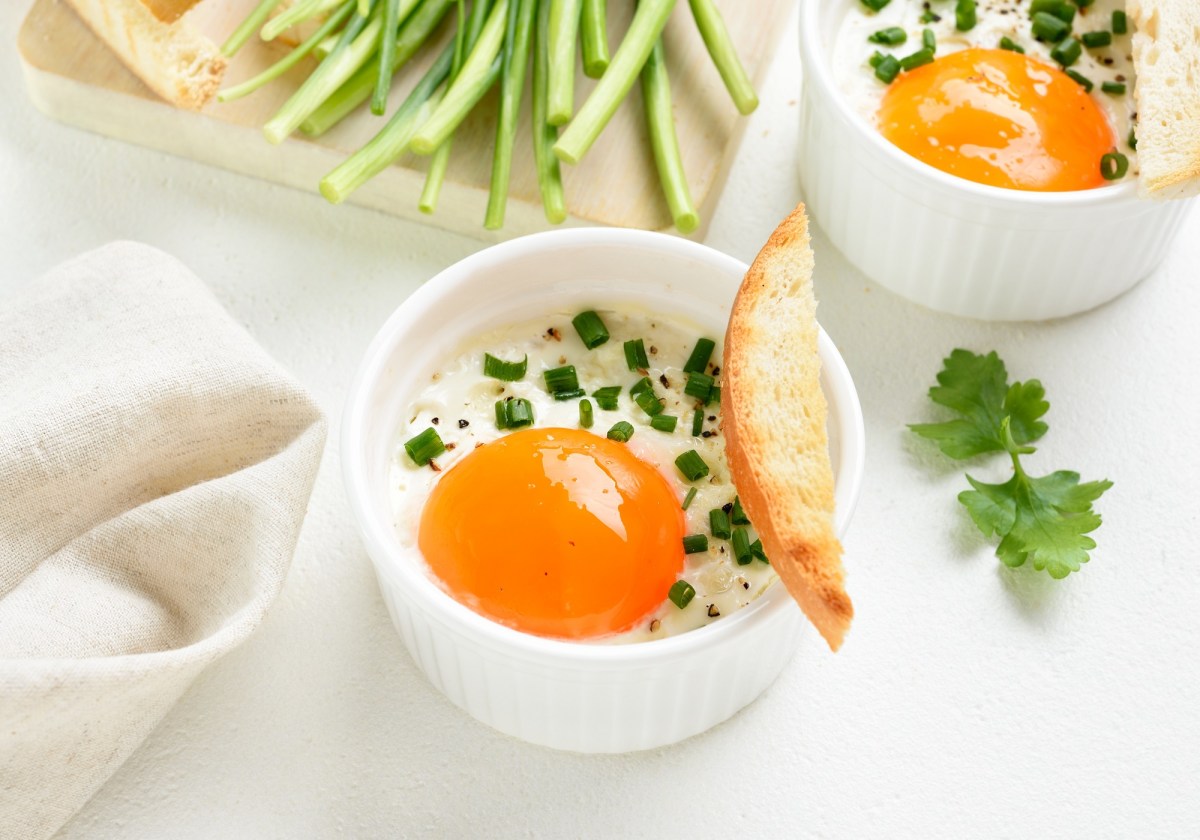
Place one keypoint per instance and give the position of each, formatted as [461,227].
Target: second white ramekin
[951,244]
[584,697]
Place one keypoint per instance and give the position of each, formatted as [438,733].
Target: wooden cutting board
[73,77]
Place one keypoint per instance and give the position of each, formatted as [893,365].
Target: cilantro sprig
[1043,520]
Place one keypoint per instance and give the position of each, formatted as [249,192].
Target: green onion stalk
[549,174]
[656,95]
[724,54]
[593,28]
[564,37]
[517,36]
[248,27]
[301,12]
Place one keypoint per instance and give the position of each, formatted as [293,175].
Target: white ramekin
[589,698]
[948,243]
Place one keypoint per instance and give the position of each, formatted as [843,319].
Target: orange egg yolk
[1000,118]
[556,532]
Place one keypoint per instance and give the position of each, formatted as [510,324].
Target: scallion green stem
[364,7]
[479,72]
[291,59]
[248,27]
[412,37]
[512,83]
[359,41]
[564,38]
[387,54]
[656,96]
[724,54]
[594,28]
[644,30]
[549,174]
[392,140]
[302,11]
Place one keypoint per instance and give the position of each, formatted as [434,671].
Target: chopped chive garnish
[501,415]
[875,58]
[606,397]
[517,413]
[682,593]
[562,382]
[697,422]
[425,447]
[1083,80]
[694,544]
[1067,52]
[591,329]
[1047,27]
[1113,166]
[1120,23]
[875,5]
[887,69]
[649,403]
[714,396]
[701,353]
[687,500]
[917,59]
[738,515]
[1092,40]
[502,370]
[741,546]
[929,16]
[1083,4]
[718,523]
[691,465]
[756,548]
[929,39]
[892,36]
[635,355]
[1115,88]
[1132,139]
[642,386]
[585,414]
[621,431]
[1060,9]
[699,385]
[1009,44]
[664,422]
[964,15]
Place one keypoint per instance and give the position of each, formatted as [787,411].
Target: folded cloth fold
[155,468]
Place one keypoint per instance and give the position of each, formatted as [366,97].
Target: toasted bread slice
[169,11]
[774,414]
[1166,59]
[174,60]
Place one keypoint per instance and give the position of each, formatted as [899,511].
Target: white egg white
[459,402]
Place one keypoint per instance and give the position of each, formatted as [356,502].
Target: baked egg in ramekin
[620,673]
[979,157]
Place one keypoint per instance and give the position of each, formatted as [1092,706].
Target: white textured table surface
[968,701]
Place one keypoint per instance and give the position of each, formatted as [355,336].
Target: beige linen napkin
[155,466]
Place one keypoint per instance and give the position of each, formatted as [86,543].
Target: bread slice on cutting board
[1166,59]
[152,39]
[774,422]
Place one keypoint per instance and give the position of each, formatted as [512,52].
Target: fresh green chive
[562,382]
[664,422]
[697,422]
[875,5]
[1132,139]
[502,370]
[1060,9]
[714,396]
[687,500]
[892,36]
[1083,80]
[1120,23]
[887,69]
[929,39]
[695,543]
[917,59]
[1091,40]
[606,397]
[756,548]
[643,394]
[929,16]
[1009,44]
[425,447]
[1083,4]
[642,386]
[585,414]
[964,15]
[699,385]
[718,523]
[739,516]
[741,546]
[590,328]
[875,58]
[681,593]
[1047,27]
[1067,52]
[518,413]
[635,355]
[621,432]
[691,465]
[701,353]
[1115,88]
[1113,166]
[501,415]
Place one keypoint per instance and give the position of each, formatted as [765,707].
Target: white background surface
[968,700]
